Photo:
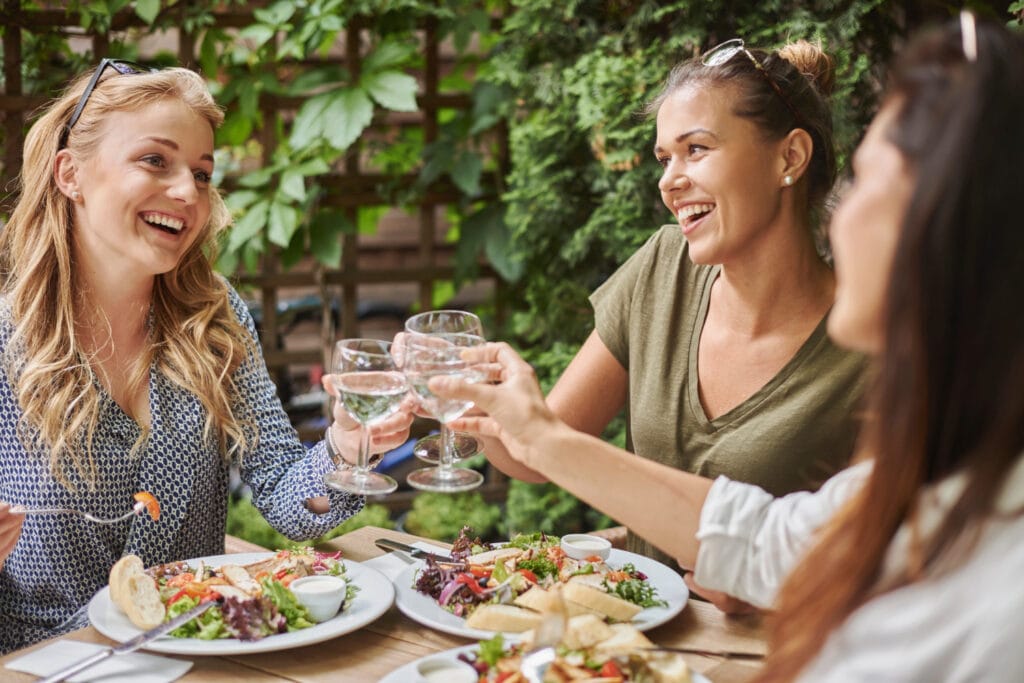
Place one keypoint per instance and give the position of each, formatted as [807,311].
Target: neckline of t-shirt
[737,412]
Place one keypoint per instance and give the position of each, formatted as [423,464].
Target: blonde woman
[127,363]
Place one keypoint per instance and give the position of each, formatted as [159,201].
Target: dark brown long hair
[948,393]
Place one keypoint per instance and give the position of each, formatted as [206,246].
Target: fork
[137,509]
[535,663]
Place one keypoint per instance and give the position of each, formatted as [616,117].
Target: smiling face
[721,177]
[145,193]
[864,232]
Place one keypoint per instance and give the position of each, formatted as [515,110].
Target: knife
[131,645]
[388,544]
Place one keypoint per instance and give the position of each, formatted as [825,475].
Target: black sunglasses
[122,67]
[720,54]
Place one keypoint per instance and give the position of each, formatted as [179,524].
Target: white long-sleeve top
[961,623]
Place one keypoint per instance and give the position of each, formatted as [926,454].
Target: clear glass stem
[363,460]
[451,445]
[447,452]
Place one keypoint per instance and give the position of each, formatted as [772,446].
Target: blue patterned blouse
[60,561]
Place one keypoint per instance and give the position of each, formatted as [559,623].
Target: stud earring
[75,196]
[787,180]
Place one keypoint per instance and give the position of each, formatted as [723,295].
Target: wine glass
[463,445]
[371,388]
[425,357]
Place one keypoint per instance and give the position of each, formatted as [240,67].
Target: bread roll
[143,605]
[119,573]
[505,618]
[607,604]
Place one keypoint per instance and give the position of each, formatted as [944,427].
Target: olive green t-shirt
[792,434]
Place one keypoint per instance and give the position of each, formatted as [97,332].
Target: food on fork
[151,503]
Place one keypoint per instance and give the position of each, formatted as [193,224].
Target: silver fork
[548,634]
[137,509]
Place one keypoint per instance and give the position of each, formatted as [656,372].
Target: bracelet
[335,453]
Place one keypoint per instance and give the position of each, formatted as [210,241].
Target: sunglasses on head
[121,66]
[724,52]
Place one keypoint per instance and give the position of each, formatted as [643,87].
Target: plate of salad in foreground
[496,659]
[258,612]
[505,588]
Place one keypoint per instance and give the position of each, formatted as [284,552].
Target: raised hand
[386,435]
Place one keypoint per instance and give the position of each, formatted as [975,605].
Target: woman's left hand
[385,435]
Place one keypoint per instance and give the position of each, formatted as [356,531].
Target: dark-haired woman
[906,566]
[713,334]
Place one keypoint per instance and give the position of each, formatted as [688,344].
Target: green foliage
[246,522]
[442,515]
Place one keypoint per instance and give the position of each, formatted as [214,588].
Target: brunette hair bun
[810,60]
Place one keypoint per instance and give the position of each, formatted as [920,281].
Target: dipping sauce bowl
[322,595]
[582,546]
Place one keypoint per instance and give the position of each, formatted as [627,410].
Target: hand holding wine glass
[371,388]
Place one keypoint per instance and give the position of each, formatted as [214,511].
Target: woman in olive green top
[713,334]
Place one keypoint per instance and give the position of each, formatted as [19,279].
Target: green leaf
[281,224]
[249,225]
[308,125]
[147,10]
[392,89]
[346,116]
[325,232]
[239,199]
[466,172]
[257,178]
[293,185]
[387,55]
[258,33]
[235,130]
[315,166]
[276,14]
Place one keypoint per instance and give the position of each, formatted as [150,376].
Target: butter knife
[130,645]
[388,544]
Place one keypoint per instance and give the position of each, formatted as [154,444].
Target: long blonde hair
[195,339]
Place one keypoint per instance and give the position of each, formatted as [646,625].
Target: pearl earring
[787,180]
[75,196]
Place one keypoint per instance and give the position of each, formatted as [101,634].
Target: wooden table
[394,640]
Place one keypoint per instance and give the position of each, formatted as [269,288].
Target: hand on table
[385,435]
[10,531]
[732,606]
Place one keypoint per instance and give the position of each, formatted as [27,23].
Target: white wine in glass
[462,445]
[424,358]
[371,388]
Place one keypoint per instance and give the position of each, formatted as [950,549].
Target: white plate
[425,610]
[373,599]
[407,672]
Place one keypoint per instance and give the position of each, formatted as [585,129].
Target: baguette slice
[585,631]
[505,618]
[143,605]
[492,556]
[611,606]
[127,566]
[624,638]
[538,599]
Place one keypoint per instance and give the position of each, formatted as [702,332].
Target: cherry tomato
[611,670]
[530,576]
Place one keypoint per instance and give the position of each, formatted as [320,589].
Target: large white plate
[407,672]
[373,599]
[425,610]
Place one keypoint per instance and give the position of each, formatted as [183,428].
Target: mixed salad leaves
[477,577]
[255,599]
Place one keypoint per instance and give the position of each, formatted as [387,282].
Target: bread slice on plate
[143,605]
[586,631]
[119,573]
[611,606]
[505,618]
[624,638]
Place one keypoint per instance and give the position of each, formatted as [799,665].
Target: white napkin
[133,667]
[391,564]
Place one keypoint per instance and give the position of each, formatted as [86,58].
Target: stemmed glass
[371,388]
[425,357]
[463,445]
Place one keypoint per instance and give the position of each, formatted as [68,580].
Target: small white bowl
[582,546]
[322,595]
[440,670]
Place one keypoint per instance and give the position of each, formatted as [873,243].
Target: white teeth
[166,221]
[692,210]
